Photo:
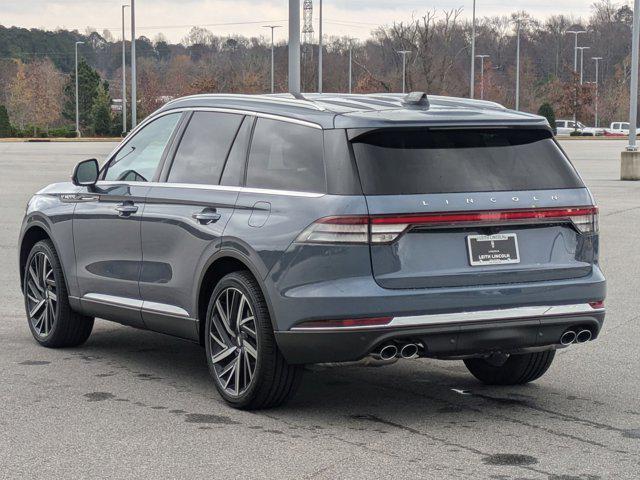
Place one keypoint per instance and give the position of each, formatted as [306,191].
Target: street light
[597,60]
[482,57]
[472,86]
[350,65]
[320,51]
[294,46]
[404,54]
[518,64]
[575,30]
[77,96]
[272,27]
[582,49]
[629,164]
[134,92]
[124,77]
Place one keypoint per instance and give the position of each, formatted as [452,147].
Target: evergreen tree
[88,84]
[101,111]
[546,110]
[5,126]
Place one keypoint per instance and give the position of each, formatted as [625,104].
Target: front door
[106,225]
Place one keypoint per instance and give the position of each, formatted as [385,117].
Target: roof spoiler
[416,100]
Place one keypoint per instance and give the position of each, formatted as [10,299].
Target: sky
[174,18]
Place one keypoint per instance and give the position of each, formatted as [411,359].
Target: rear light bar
[387,228]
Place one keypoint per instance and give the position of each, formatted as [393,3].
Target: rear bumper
[462,334]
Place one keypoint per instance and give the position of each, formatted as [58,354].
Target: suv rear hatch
[473,206]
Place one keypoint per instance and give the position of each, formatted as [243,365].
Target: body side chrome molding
[220,188]
[135,304]
[473,316]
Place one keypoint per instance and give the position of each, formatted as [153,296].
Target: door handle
[126,209]
[206,216]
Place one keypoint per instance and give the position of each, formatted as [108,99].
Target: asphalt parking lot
[137,404]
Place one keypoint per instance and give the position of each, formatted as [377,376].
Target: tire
[517,370]
[246,342]
[53,323]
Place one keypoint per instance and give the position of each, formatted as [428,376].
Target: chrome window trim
[472,316]
[263,191]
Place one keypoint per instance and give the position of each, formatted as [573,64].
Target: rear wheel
[51,320]
[516,370]
[248,369]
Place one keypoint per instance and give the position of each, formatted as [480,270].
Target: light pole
[77,94]
[350,65]
[575,30]
[472,86]
[134,93]
[294,46]
[404,54]
[272,27]
[320,51]
[124,77]
[482,57]
[633,96]
[582,49]
[597,60]
[518,65]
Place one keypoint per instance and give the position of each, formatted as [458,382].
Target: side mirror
[86,173]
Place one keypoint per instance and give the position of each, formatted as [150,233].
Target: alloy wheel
[42,294]
[233,341]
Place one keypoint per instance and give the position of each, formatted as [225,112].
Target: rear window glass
[416,161]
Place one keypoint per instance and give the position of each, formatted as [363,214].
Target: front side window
[204,148]
[286,156]
[138,160]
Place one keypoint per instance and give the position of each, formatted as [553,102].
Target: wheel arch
[32,235]
[219,265]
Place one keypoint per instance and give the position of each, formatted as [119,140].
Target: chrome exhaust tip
[410,350]
[388,352]
[583,336]
[568,337]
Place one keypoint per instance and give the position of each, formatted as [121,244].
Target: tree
[546,110]
[5,126]
[88,83]
[47,85]
[20,96]
[101,111]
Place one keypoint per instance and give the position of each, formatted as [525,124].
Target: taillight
[349,322]
[387,228]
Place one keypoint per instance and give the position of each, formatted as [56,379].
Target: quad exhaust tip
[388,352]
[569,337]
[410,350]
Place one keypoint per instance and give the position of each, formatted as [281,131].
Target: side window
[233,174]
[204,147]
[286,156]
[138,160]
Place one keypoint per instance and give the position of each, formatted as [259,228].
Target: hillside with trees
[37,80]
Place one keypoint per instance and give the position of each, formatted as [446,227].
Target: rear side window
[204,148]
[417,161]
[286,156]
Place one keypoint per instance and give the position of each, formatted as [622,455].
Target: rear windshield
[415,161]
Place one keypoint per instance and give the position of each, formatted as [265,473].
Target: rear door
[185,216]
[462,207]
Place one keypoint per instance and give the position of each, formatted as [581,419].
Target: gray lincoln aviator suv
[284,230]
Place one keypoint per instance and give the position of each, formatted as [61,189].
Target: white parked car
[618,129]
[566,127]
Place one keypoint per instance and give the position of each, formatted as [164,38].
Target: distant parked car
[618,129]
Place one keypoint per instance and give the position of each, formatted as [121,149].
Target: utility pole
[294,46]
[630,159]
[124,77]
[77,94]
[472,86]
[482,57]
[404,68]
[518,65]
[272,27]
[582,49]
[597,60]
[350,66]
[134,99]
[320,51]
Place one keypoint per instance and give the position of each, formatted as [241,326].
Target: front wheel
[244,360]
[516,370]
[51,320]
